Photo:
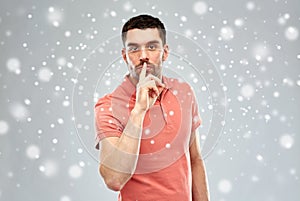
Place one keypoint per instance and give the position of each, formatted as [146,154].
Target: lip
[147,68]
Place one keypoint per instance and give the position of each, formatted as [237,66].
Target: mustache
[142,63]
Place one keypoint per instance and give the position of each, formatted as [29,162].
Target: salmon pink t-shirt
[163,169]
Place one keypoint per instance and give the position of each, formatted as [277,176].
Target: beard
[152,69]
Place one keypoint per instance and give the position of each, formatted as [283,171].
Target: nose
[142,61]
[144,55]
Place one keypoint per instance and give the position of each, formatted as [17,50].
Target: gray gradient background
[256,157]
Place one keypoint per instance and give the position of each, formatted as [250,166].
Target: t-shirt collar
[168,82]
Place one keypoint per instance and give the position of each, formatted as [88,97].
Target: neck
[133,80]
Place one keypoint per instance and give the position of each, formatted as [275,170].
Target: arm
[200,191]
[119,155]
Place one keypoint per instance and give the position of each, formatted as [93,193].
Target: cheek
[130,64]
[158,58]
[132,60]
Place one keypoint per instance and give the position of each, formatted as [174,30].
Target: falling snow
[65,198]
[241,58]
[14,65]
[227,33]
[200,7]
[19,111]
[286,141]
[45,74]
[224,186]
[260,52]
[247,91]
[75,171]
[55,16]
[291,33]
[239,22]
[49,168]
[33,152]
[250,5]
[4,127]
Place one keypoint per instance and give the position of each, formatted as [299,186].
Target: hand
[148,89]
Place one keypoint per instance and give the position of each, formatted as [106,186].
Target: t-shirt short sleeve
[196,119]
[106,124]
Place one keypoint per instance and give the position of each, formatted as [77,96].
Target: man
[147,127]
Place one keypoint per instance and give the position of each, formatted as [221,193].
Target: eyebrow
[136,44]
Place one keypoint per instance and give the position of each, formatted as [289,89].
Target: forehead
[142,36]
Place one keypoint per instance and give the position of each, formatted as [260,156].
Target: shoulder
[182,90]
[178,84]
[123,92]
[106,99]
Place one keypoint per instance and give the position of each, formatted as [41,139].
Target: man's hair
[144,22]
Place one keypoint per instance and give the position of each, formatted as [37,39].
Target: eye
[152,47]
[133,48]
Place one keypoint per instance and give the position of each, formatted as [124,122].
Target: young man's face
[144,45]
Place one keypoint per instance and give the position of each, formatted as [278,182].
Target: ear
[165,53]
[124,55]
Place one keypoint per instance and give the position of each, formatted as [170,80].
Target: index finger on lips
[143,71]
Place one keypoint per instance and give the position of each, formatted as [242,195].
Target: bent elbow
[113,185]
[112,182]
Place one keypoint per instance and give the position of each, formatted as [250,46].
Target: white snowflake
[65,198]
[127,6]
[286,141]
[259,157]
[227,33]
[55,16]
[260,52]
[239,22]
[200,7]
[49,168]
[4,127]
[14,65]
[247,91]
[224,186]
[250,5]
[291,33]
[33,152]
[75,171]
[45,74]
[19,111]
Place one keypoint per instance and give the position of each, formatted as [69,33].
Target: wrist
[138,111]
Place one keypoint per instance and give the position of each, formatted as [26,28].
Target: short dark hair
[144,22]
